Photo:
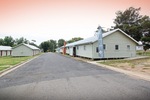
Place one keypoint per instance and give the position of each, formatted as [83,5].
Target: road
[55,77]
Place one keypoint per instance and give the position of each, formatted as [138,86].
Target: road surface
[55,77]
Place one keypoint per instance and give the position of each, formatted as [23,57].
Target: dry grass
[138,65]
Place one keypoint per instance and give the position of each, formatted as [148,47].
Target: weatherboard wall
[5,52]
[88,47]
[117,38]
[22,51]
[68,50]
[71,51]
[35,52]
[84,50]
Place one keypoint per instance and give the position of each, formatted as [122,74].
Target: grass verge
[7,62]
[143,53]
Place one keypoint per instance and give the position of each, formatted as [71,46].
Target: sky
[42,20]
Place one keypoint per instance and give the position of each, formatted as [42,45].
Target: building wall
[84,50]
[67,50]
[122,41]
[35,52]
[8,53]
[3,52]
[71,51]
[61,50]
[140,47]
[22,51]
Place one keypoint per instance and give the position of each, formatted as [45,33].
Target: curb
[130,73]
[8,70]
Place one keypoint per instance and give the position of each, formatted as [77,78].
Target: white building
[116,44]
[25,50]
[140,46]
[5,50]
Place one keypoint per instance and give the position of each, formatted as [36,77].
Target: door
[74,51]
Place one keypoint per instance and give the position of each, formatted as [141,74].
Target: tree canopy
[130,22]
[49,45]
[21,40]
[1,41]
[45,46]
[61,42]
[134,24]
[8,41]
[146,33]
[74,39]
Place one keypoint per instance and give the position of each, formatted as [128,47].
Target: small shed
[25,50]
[5,50]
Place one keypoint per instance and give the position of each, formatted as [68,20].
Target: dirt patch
[136,65]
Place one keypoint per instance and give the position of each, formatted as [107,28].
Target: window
[128,47]
[104,46]
[97,50]
[84,47]
[116,47]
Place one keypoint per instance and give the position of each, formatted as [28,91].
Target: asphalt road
[56,77]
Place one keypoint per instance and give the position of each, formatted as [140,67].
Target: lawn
[138,65]
[6,62]
[143,53]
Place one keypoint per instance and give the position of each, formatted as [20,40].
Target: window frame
[104,46]
[116,47]
[97,50]
[128,47]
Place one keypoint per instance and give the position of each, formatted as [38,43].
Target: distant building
[116,44]
[140,46]
[5,50]
[25,50]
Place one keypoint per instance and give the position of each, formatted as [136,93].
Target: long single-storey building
[5,50]
[25,50]
[116,44]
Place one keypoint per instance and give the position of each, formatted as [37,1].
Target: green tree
[52,45]
[21,40]
[145,23]
[8,41]
[44,46]
[74,39]
[1,41]
[130,22]
[48,46]
[61,42]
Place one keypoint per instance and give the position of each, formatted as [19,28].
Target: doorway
[74,51]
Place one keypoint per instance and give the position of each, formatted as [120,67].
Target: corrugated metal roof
[95,38]
[85,41]
[29,46]
[5,48]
